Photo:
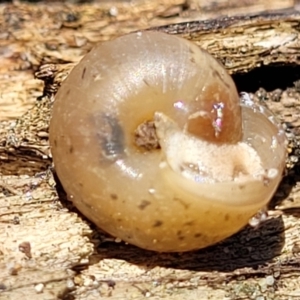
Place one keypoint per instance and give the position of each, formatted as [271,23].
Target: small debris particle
[25,248]
[276,95]
[39,288]
[113,11]
[270,280]
[16,220]
[43,134]
[111,283]
[70,284]
[296,248]
[145,136]
[88,282]
[148,294]
[14,268]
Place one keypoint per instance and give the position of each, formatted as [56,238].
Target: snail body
[151,143]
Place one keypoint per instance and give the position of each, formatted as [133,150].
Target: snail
[151,143]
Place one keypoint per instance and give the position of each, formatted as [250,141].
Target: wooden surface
[48,250]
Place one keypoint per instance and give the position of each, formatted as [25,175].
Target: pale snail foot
[232,162]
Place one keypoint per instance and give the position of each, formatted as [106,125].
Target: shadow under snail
[151,142]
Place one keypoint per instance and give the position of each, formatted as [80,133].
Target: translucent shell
[219,160]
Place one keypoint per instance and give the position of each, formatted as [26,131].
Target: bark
[49,250]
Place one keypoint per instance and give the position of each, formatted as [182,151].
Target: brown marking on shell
[158,223]
[83,73]
[143,204]
[114,196]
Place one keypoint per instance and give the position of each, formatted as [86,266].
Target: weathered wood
[67,256]
[246,42]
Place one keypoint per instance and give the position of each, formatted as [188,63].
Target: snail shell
[151,143]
